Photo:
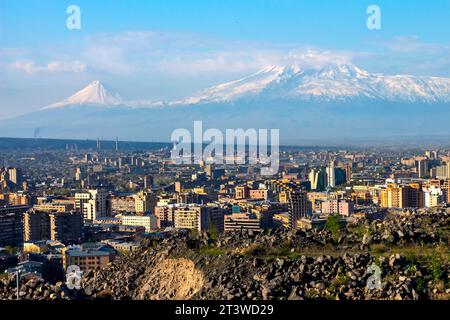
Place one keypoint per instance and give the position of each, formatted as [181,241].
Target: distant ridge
[62,144]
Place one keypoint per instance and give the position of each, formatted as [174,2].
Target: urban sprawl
[90,208]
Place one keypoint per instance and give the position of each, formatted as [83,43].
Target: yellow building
[35,247]
[395,196]
[145,202]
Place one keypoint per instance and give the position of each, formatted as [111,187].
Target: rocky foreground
[411,253]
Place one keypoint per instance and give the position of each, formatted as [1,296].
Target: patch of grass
[436,267]
[341,280]
[211,251]
[333,225]
[419,285]
[435,258]
[212,230]
[378,249]
[360,230]
[285,250]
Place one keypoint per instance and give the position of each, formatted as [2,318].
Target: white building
[149,222]
[331,175]
[93,203]
[433,196]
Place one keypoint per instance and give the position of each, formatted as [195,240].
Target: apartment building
[55,226]
[11,225]
[297,207]
[145,202]
[149,222]
[191,216]
[342,207]
[409,196]
[164,215]
[88,257]
[123,203]
[241,221]
[93,204]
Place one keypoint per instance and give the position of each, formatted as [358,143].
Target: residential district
[91,208]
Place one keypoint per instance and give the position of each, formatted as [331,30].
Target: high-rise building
[340,176]
[164,215]
[433,196]
[148,182]
[56,226]
[94,203]
[395,196]
[298,207]
[446,191]
[422,168]
[318,179]
[78,174]
[11,225]
[66,226]
[36,225]
[15,176]
[448,170]
[331,175]
[145,202]
[416,197]
[439,172]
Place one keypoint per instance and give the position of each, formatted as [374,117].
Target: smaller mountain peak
[95,93]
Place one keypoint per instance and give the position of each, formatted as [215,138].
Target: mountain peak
[327,83]
[95,94]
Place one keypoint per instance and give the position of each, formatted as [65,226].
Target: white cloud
[31,67]
[175,53]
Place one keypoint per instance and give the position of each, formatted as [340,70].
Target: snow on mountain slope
[330,83]
[94,93]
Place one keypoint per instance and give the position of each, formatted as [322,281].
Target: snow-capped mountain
[332,83]
[333,102]
[95,94]
[344,82]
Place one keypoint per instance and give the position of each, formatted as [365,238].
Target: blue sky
[167,49]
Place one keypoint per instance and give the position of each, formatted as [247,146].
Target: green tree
[333,225]
[212,229]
